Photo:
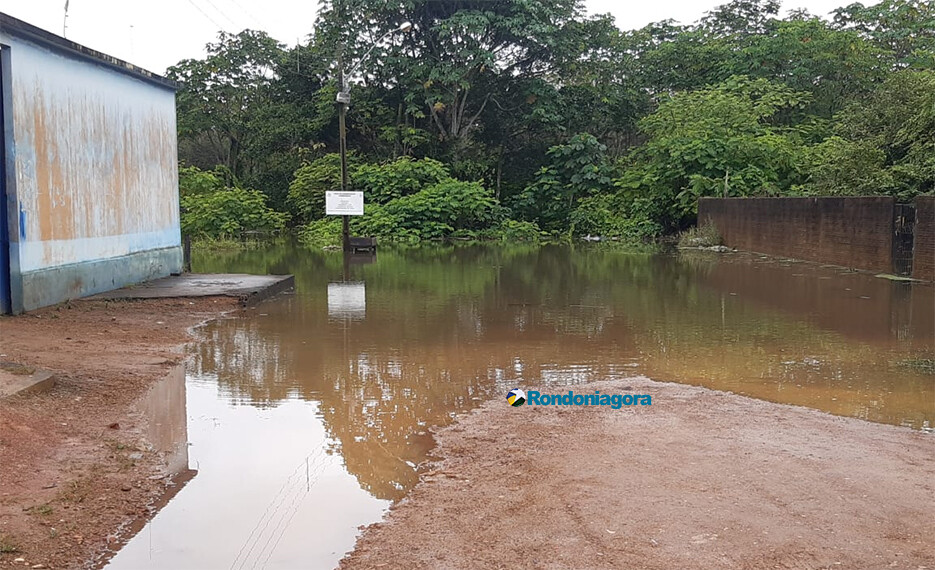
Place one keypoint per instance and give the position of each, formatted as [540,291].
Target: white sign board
[347,300]
[344,203]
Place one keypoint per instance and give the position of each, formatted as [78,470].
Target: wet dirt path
[80,463]
[700,479]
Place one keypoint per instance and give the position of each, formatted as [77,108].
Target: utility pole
[343,99]
[65,21]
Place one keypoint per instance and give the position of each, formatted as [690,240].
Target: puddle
[269,492]
[307,415]
[167,425]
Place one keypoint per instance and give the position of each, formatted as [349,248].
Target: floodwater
[309,414]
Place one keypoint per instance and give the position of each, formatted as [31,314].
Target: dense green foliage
[306,197]
[515,118]
[574,171]
[402,177]
[227,212]
[447,209]
[716,141]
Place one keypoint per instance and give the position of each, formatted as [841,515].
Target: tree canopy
[532,112]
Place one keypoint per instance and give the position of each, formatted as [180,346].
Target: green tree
[717,141]
[675,58]
[575,171]
[904,27]
[219,95]
[835,66]
[883,145]
[743,18]
[459,55]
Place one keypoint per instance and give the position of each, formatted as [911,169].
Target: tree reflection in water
[446,327]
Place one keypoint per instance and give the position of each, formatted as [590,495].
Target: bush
[402,177]
[516,231]
[575,171]
[450,209]
[608,215]
[193,180]
[703,235]
[377,221]
[442,209]
[306,196]
[839,167]
[229,213]
[321,233]
[598,215]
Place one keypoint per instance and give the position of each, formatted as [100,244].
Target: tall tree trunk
[398,146]
[499,171]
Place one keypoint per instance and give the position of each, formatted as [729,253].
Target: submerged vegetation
[526,121]
[705,234]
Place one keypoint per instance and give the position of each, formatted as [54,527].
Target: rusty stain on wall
[96,160]
[92,145]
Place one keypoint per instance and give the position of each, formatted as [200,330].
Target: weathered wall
[923,246]
[95,162]
[854,232]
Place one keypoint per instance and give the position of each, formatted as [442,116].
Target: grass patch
[228,244]
[16,368]
[922,365]
[41,510]
[7,546]
[702,235]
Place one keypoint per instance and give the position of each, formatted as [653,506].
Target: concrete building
[89,176]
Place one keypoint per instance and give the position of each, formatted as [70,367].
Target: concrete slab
[18,379]
[250,289]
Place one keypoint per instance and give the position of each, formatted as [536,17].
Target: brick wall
[923,247]
[853,232]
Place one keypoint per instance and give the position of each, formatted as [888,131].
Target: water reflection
[269,492]
[163,406]
[445,327]
[353,371]
[347,300]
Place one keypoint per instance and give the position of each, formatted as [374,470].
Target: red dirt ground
[75,471]
[700,479]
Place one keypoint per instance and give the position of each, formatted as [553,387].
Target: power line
[250,15]
[205,14]
[221,12]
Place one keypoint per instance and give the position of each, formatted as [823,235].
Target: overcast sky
[155,34]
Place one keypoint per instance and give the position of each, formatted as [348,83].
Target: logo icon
[516,397]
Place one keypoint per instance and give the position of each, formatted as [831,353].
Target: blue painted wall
[94,175]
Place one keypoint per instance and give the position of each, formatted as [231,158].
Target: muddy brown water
[308,415]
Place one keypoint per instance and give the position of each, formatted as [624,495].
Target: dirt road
[700,479]
[74,466]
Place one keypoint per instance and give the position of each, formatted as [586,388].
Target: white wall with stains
[95,154]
